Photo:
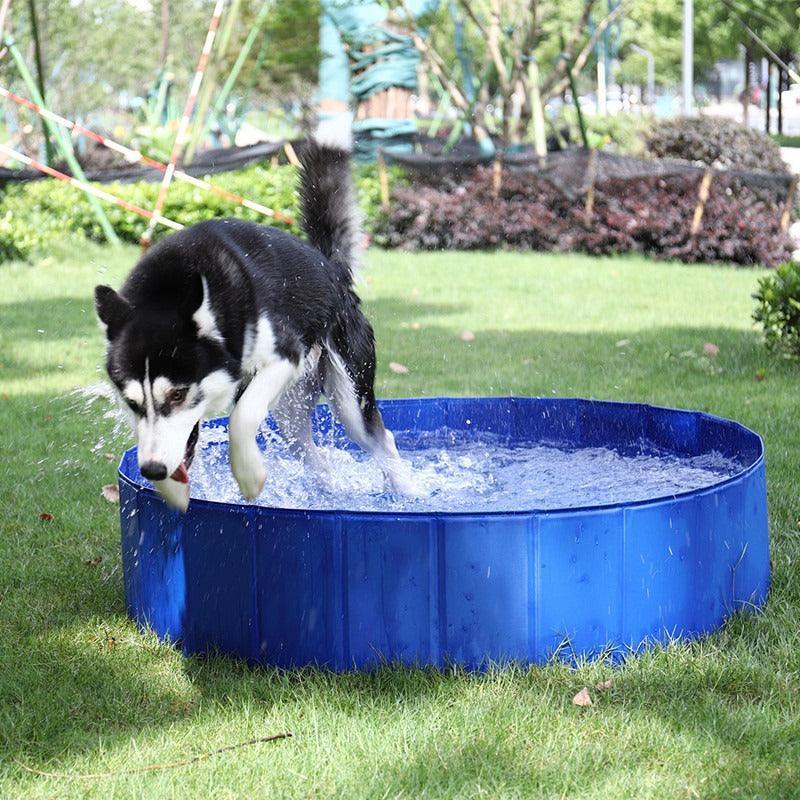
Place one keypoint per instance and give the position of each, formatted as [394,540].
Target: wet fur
[243,313]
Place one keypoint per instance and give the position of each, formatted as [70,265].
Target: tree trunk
[767,107]
[164,32]
[746,95]
[37,53]
[537,111]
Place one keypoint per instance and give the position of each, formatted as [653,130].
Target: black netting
[207,162]
[572,171]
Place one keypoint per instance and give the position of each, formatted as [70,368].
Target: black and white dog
[229,312]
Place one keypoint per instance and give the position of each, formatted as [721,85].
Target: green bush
[33,215]
[716,142]
[625,133]
[778,309]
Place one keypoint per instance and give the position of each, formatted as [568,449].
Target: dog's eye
[177,396]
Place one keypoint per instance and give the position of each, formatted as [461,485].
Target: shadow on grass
[65,691]
[57,318]
[53,319]
[518,743]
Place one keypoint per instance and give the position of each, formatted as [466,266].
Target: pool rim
[745,473]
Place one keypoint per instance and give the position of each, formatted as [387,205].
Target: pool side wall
[345,591]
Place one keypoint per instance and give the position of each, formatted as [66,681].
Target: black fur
[251,270]
[329,210]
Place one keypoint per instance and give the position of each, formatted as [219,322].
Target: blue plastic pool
[344,588]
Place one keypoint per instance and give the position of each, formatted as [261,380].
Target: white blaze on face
[133,392]
[162,437]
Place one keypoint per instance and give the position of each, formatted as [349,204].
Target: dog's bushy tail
[330,216]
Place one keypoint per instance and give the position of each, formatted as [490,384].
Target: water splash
[106,430]
[460,472]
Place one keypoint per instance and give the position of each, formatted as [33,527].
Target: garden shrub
[717,142]
[623,133]
[33,215]
[778,308]
[647,215]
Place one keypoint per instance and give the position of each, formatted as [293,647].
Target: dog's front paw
[400,480]
[174,493]
[248,469]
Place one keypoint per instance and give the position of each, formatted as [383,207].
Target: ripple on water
[458,471]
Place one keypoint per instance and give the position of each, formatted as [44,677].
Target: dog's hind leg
[352,399]
[293,415]
[265,387]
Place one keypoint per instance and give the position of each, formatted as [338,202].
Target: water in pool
[461,472]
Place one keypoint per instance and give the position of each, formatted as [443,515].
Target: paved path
[791,155]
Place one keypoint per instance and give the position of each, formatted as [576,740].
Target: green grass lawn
[82,691]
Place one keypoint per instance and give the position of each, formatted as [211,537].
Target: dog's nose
[153,470]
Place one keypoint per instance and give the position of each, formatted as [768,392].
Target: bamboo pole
[65,145]
[786,216]
[137,157]
[88,188]
[37,58]
[290,154]
[574,91]
[497,175]
[180,138]
[164,33]
[702,199]
[200,126]
[256,71]
[591,172]
[383,181]
[537,112]
[230,81]
[6,4]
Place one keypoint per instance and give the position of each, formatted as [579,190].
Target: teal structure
[360,56]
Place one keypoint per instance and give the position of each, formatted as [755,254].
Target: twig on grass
[153,767]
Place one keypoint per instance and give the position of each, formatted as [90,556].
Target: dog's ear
[113,311]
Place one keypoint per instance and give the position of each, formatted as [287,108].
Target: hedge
[647,215]
[33,215]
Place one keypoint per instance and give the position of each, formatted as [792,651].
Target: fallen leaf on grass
[46,516]
[415,292]
[603,686]
[582,699]
[400,369]
[467,336]
[415,326]
[710,349]
[110,456]
[623,342]
[760,375]
[111,492]
[93,562]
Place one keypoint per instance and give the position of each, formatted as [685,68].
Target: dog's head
[168,361]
